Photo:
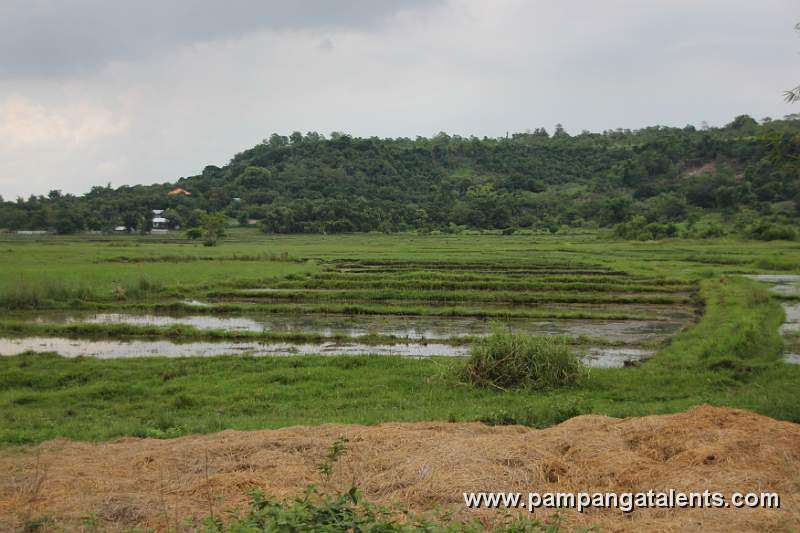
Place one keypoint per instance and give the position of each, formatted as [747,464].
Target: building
[160,225]
[179,190]
[120,229]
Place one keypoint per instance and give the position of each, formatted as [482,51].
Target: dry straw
[150,483]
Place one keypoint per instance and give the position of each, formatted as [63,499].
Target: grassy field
[729,356]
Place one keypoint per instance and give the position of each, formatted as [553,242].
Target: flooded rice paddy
[412,328]
[596,357]
[650,310]
[787,285]
[417,336]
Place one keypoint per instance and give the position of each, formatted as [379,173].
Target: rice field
[610,316]
[98,335]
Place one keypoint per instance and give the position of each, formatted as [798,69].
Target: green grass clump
[508,360]
[40,293]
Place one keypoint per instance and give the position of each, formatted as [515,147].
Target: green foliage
[315,512]
[507,360]
[213,227]
[335,452]
[638,229]
[765,231]
[533,181]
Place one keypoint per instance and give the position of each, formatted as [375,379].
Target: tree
[218,198]
[560,132]
[793,95]
[213,227]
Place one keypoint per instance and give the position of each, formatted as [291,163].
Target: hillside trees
[304,183]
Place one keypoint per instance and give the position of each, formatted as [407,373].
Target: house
[120,229]
[160,225]
[178,190]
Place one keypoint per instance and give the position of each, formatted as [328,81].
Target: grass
[186,333]
[507,360]
[394,310]
[732,356]
[45,396]
[450,296]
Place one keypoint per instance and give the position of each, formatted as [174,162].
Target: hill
[650,183]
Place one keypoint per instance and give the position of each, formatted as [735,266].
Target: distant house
[120,229]
[178,190]
[160,224]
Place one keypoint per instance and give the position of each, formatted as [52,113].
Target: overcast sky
[124,91]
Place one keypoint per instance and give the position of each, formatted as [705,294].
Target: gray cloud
[123,92]
[47,38]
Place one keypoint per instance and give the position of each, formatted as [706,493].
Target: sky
[146,91]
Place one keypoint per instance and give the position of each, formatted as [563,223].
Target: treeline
[650,183]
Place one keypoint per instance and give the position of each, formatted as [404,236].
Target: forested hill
[647,183]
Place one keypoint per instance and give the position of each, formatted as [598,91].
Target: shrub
[766,231]
[638,229]
[509,360]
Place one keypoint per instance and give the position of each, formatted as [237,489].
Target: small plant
[348,511]
[507,360]
[337,450]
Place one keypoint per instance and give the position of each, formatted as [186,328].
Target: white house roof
[120,228]
[157,211]
[159,220]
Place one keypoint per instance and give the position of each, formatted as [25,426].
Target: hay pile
[148,483]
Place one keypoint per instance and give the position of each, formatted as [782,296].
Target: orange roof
[178,190]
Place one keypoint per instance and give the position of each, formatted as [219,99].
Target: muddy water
[422,334]
[592,357]
[787,285]
[415,328]
[615,357]
[789,329]
[132,349]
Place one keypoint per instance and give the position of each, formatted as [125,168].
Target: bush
[638,229]
[509,360]
[773,232]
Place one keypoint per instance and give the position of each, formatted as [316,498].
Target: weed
[508,360]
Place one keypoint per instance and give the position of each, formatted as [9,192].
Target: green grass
[731,357]
[507,360]
[449,296]
[385,309]
[184,333]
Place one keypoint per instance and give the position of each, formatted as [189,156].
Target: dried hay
[150,483]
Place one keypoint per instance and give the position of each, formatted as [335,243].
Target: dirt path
[147,483]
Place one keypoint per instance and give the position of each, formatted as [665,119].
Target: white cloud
[24,122]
